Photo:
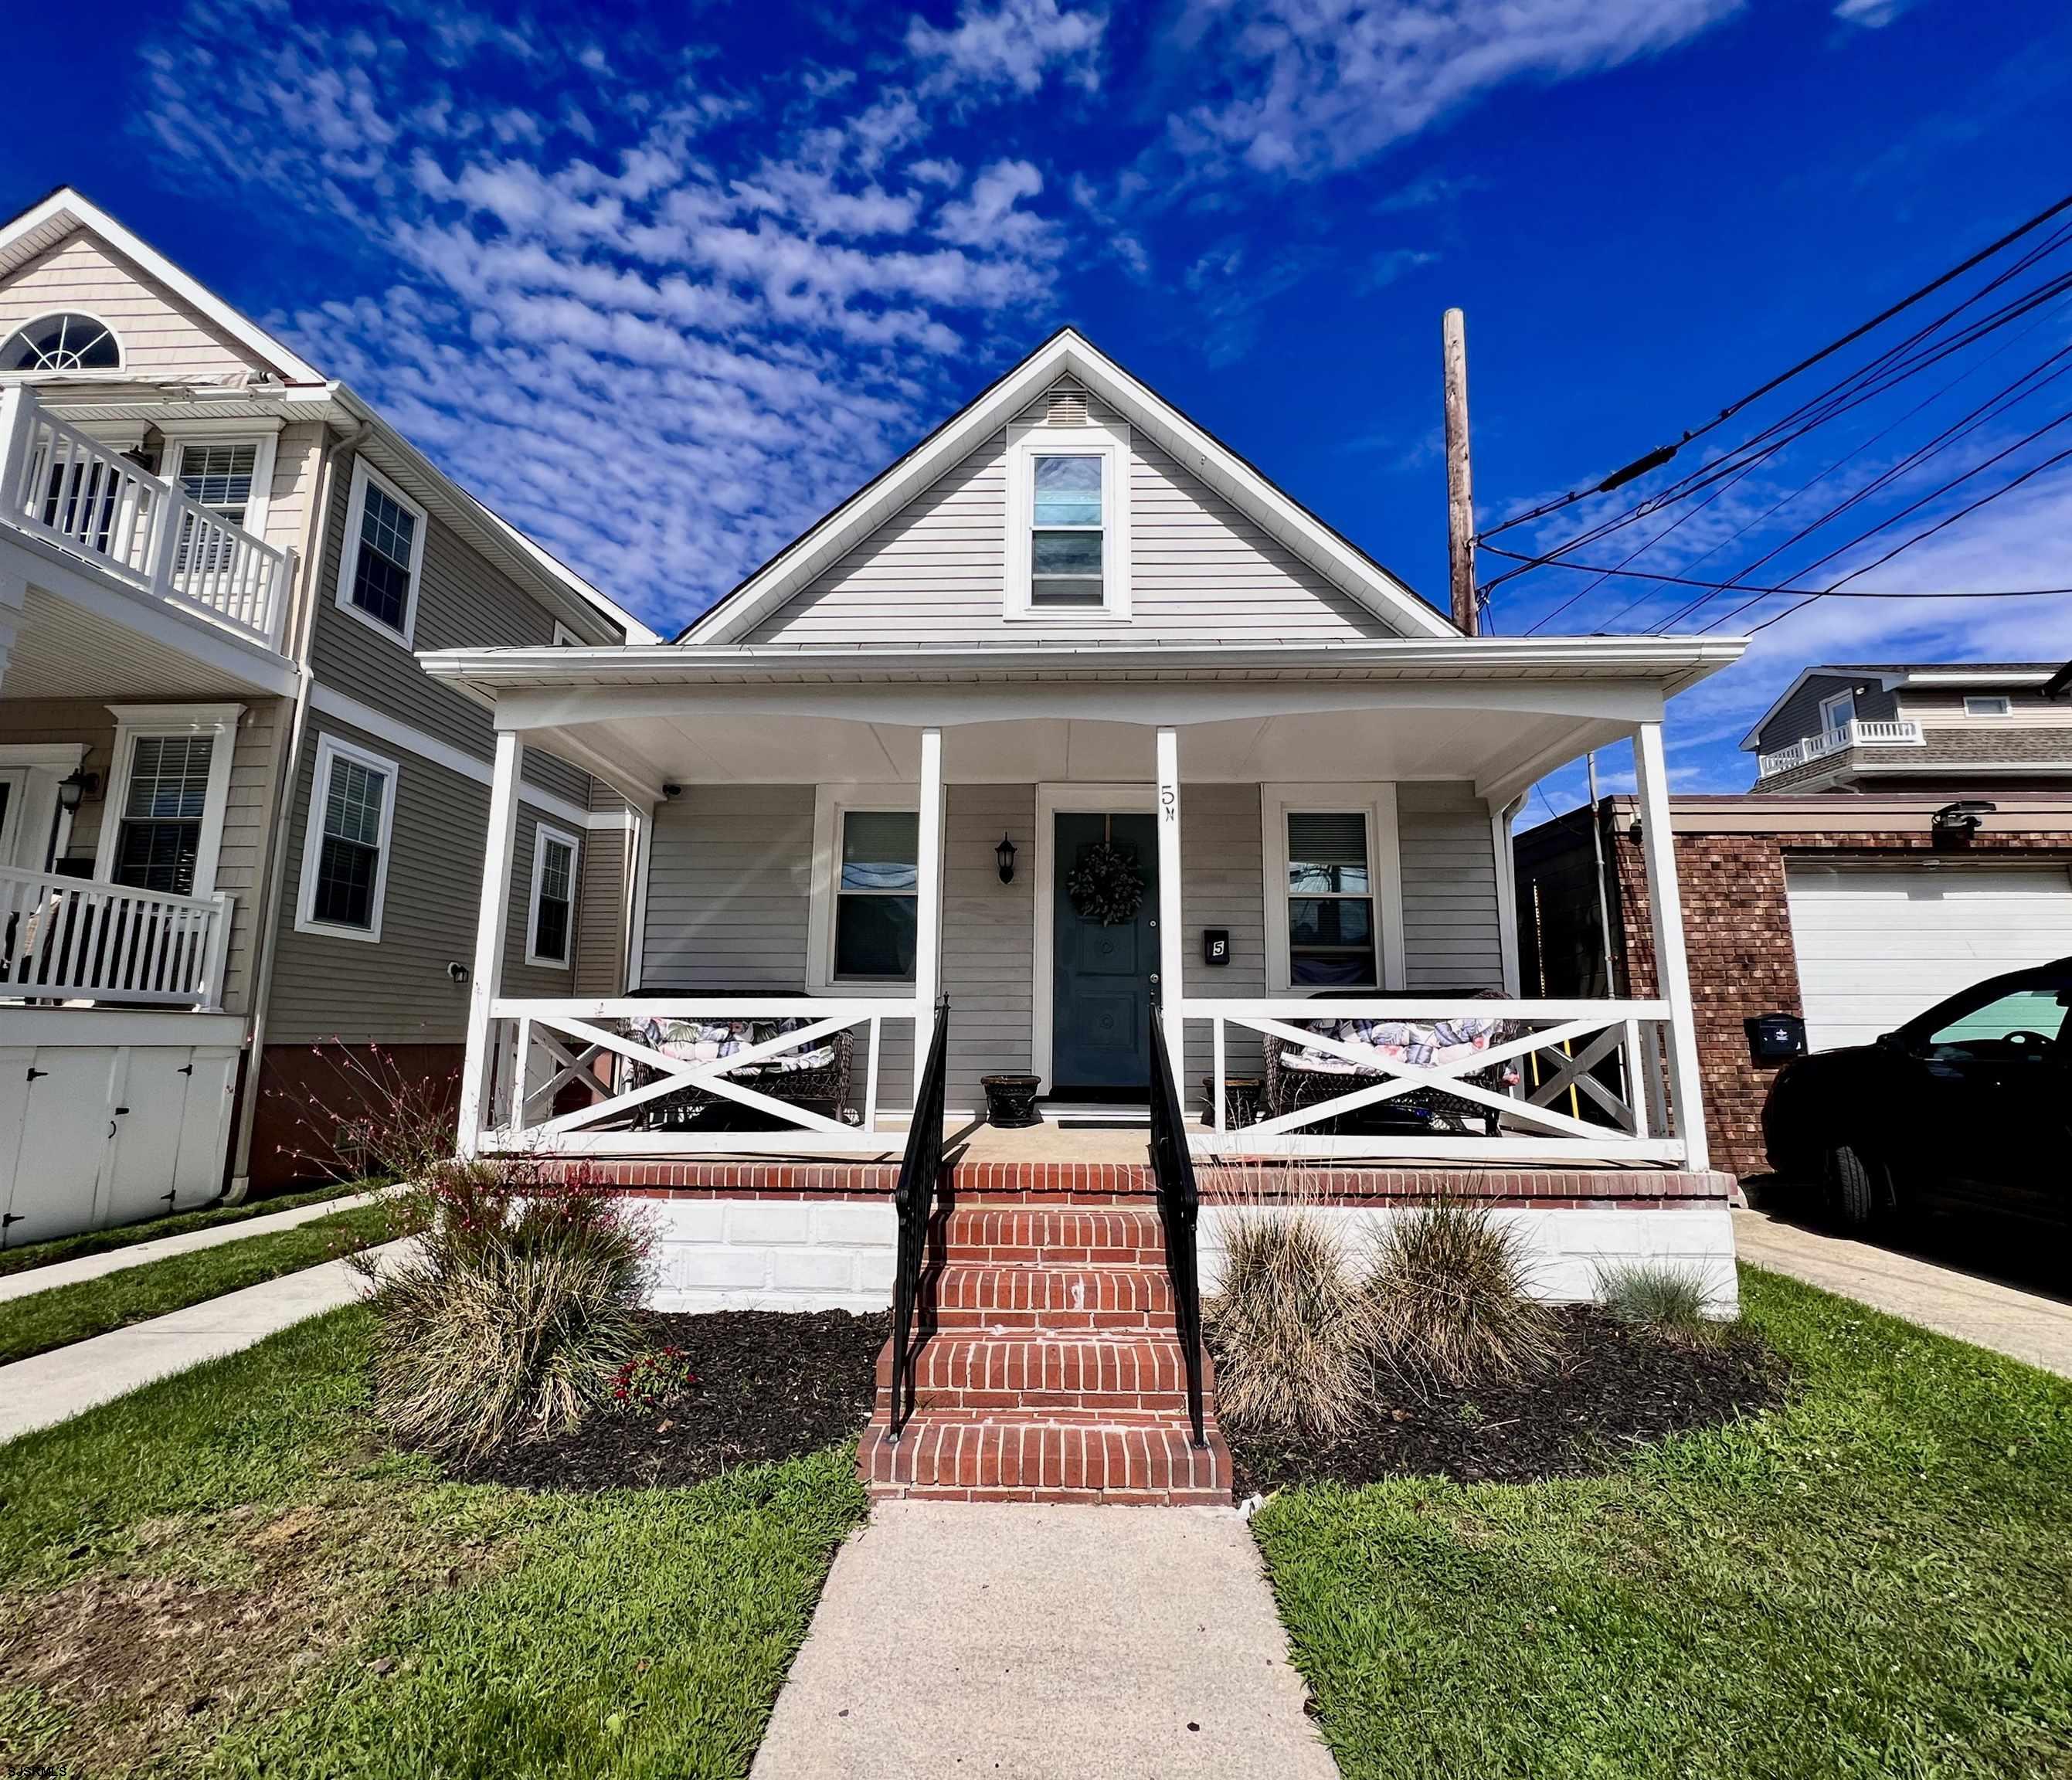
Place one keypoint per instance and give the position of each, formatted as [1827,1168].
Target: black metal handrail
[913,1201]
[1179,1211]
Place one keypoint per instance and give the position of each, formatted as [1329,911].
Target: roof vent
[1067,408]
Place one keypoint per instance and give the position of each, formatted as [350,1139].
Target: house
[1074,720]
[1852,908]
[215,566]
[1923,726]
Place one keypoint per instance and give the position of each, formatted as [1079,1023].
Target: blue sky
[662,288]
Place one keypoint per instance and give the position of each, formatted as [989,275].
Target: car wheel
[1854,1194]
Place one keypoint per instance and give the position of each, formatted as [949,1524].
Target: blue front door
[1102,977]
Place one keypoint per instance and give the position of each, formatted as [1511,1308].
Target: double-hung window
[385,550]
[345,852]
[865,904]
[228,477]
[1068,553]
[159,841]
[1333,909]
[550,928]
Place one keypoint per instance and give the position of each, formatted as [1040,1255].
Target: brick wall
[1737,930]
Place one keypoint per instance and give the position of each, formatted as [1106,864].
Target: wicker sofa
[1292,1082]
[818,1077]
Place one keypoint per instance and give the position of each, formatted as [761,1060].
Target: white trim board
[328,701]
[34,811]
[1052,800]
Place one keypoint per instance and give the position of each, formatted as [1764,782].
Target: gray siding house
[231,806]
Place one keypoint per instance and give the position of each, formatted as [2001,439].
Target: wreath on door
[1105,885]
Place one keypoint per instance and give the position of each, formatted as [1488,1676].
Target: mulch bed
[772,1385]
[1611,1387]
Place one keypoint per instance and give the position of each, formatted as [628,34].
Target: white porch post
[1672,974]
[491,923]
[1171,959]
[928,898]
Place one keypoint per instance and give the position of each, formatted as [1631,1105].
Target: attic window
[1067,554]
[1987,705]
[62,342]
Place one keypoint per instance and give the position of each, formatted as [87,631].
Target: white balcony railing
[671,1075]
[79,940]
[1570,1081]
[1857,732]
[59,484]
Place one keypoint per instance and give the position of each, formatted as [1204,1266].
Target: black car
[1967,1108]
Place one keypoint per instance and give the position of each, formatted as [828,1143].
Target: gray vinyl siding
[728,890]
[398,991]
[463,602]
[988,961]
[1200,572]
[1221,884]
[1453,938]
[601,919]
[1943,708]
[1800,716]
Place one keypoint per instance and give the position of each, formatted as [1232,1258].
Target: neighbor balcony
[1857,732]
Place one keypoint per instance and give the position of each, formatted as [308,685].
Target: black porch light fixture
[1003,857]
[75,788]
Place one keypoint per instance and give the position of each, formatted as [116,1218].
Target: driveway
[2023,1324]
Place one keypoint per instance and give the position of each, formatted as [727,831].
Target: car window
[2039,1009]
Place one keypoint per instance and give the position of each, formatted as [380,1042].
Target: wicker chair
[1289,1087]
[824,1088]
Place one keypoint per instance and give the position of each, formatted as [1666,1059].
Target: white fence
[77,940]
[1560,1052]
[641,1085]
[59,484]
[1857,732]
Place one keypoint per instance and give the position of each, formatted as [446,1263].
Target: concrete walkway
[114,1261]
[2025,1325]
[1042,1643]
[53,1386]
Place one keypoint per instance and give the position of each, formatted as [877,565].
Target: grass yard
[101,1242]
[229,1574]
[66,1313]
[1874,1580]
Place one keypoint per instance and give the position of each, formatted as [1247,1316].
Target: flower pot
[1011,1101]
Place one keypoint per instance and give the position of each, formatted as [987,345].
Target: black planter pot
[1011,1101]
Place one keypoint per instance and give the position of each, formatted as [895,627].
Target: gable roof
[50,219]
[1891,675]
[1067,353]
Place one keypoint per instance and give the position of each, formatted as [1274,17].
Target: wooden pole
[1460,491]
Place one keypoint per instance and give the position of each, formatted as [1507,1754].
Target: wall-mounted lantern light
[1003,855]
[75,788]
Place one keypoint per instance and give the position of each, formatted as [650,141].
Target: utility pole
[1460,492]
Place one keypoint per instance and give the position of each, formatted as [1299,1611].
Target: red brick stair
[1051,1370]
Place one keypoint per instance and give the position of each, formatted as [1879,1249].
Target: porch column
[493,920]
[1171,956]
[1672,975]
[928,897]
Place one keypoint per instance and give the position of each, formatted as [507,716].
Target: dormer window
[1067,554]
[62,342]
[1987,705]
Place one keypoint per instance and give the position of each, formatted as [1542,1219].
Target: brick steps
[1051,1369]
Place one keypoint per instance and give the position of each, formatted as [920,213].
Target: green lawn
[228,1573]
[100,1242]
[1875,1581]
[67,1314]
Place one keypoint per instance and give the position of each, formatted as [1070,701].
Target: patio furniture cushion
[708,1041]
[1424,1044]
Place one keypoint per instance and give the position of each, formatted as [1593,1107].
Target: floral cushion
[1424,1044]
[708,1041]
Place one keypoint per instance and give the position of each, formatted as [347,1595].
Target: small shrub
[512,1317]
[1289,1329]
[1447,1290]
[651,1381]
[1651,1295]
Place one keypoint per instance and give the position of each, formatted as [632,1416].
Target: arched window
[62,342]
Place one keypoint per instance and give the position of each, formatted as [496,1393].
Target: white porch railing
[545,1052]
[59,484]
[1559,1058]
[1857,732]
[78,940]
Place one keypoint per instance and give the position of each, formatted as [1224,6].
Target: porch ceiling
[62,650]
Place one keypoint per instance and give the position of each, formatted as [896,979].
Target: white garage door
[1878,944]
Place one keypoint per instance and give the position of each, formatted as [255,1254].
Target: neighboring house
[887,765]
[1923,726]
[1852,909]
[216,564]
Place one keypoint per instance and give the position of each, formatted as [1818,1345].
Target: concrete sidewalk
[2025,1325]
[53,1386]
[1042,1643]
[115,1260]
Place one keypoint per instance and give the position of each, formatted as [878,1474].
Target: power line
[1655,459]
[1823,593]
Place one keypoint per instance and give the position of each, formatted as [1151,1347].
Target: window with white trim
[1067,554]
[345,851]
[1838,710]
[550,928]
[228,476]
[1332,942]
[66,342]
[1987,705]
[384,553]
[169,788]
[865,899]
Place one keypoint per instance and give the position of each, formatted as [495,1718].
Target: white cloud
[1313,87]
[1872,14]
[1013,46]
